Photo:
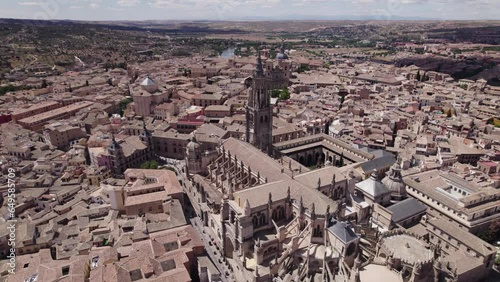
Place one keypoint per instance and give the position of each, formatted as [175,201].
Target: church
[270,216]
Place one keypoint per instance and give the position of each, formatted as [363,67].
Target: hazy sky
[244,9]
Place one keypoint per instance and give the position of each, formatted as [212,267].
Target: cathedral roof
[342,230]
[405,209]
[372,186]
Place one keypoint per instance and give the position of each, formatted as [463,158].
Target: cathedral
[270,216]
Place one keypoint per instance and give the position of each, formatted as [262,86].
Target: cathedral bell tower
[259,112]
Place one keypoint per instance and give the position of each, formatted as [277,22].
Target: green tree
[497,260]
[342,98]
[6,89]
[341,161]
[285,94]
[122,106]
[272,54]
[150,165]
[492,234]
[275,93]
[171,169]
[153,165]
[425,77]
[303,68]
[418,77]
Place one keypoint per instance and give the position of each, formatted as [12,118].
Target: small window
[26,265]
[65,270]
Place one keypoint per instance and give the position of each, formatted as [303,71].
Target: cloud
[28,4]
[211,3]
[127,3]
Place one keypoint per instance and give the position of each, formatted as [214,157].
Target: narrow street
[213,252]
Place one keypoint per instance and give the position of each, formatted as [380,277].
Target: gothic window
[279,213]
[232,217]
[262,219]
[255,221]
[317,231]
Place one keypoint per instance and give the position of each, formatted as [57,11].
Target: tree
[153,165]
[492,234]
[342,98]
[150,165]
[303,68]
[285,94]
[44,83]
[122,106]
[275,93]
[327,127]
[171,169]
[418,77]
[425,77]
[272,54]
[341,161]
[86,83]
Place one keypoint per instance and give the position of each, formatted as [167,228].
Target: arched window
[232,217]
[262,219]
[317,231]
[279,213]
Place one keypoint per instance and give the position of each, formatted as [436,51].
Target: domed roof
[282,55]
[148,82]
[394,181]
[193,146]
[372,186]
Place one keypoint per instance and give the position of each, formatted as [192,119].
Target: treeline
[10,88]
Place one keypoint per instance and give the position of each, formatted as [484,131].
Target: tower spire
[259,71]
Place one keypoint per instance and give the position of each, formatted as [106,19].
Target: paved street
[214,254]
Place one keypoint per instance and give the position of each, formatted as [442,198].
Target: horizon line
[259,20]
